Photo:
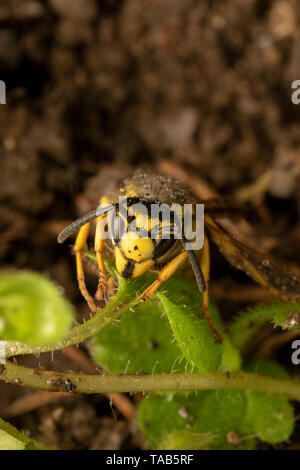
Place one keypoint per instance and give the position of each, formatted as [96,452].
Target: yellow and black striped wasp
[135,253]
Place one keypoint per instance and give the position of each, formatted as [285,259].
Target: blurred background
[95,89]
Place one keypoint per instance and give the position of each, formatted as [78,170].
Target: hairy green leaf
[187,440]
[12,439]
[270,416]
[231,358]
[8,442]
[143,339]
[219,413]
[32,309]
[194,338]
[140,341]
[247,324]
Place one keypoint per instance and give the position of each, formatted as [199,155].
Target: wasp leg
[164,274]
[99,247]
[111,287]
[205,266]
[78,248]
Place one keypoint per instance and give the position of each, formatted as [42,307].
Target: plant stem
[123,301]
[82,383]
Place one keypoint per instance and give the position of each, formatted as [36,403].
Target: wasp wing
[260,267]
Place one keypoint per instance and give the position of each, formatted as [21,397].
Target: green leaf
[32,309]
[194,338]
[178,413]
[140,341]
[271,416]
[12,439]
[287,315]
[182,303]
[143,339]
[231,358]
[216,412]
[223,412]
[186,295]
[247,324]
[187,440]
[8,442]
[266,366]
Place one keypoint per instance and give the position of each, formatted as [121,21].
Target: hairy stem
[82,383]
[124,300]
[112,311]
[120,304]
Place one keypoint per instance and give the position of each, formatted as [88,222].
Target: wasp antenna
[64,234]
[196,269]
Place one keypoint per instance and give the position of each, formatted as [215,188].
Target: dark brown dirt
[97,88]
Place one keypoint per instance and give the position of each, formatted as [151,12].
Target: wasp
[138,252]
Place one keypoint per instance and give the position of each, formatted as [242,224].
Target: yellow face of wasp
[133,255]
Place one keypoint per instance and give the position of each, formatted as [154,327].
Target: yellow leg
[205,266]
[111,286]
[78,248]
[164,274]
[99,247]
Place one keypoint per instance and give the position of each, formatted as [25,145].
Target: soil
[96,89]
